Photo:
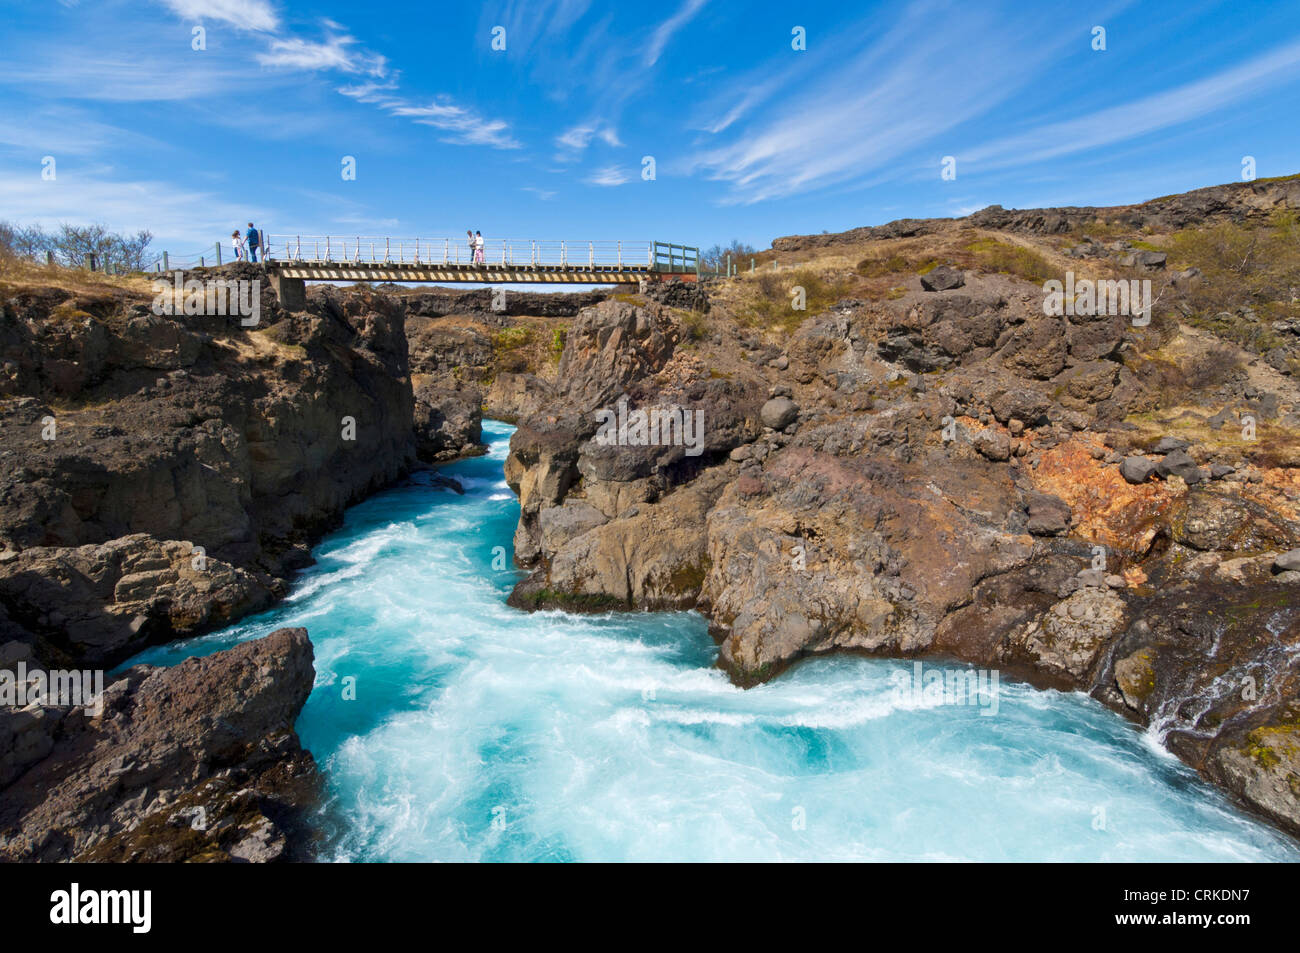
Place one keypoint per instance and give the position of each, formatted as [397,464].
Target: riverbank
[474,731]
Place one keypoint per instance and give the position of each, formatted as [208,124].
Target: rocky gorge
[926,464]
[920,462]
[165,475]
[162,476]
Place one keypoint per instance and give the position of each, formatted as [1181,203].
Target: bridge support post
[292,292]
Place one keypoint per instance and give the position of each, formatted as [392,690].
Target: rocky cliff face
[927,463]
[484,349]
[163,474]
[447,364]
[610,523]
[198,762]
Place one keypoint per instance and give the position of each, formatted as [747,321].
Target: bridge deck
[334,258]
[452,272]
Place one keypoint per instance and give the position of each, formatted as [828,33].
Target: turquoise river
[479,732]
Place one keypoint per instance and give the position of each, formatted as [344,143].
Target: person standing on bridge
[478,248]
[254,239]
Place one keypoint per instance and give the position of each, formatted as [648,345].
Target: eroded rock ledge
[162,475]
[198,762]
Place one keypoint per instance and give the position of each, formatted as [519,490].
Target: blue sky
[751,139]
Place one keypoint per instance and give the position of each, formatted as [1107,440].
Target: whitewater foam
[479,732]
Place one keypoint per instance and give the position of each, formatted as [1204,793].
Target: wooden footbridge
[292,260]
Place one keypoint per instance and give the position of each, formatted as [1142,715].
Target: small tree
[29,242]
[73,245]
[715,258]
[132,252]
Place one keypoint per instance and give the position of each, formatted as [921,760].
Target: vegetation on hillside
[990,254]
[878,266]
[1250,277]
[72,246]
[769,299]
[715,258]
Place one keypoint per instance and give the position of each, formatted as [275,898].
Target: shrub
[508,339]
[694,325]
[715,258]
[1215,366]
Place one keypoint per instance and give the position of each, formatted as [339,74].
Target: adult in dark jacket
[254,239]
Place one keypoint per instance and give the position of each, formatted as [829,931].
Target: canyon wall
[931,465]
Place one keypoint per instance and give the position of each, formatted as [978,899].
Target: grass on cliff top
[1250,276]
[76,281]
[767,299]
[1275,178]
[533,345]
[1242,267]
[878,266]
[990,254]
[510,350]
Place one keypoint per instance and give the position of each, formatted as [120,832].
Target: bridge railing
[675,258]
[340,249]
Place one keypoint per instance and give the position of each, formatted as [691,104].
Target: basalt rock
[244,442]
[1137,469]
[100,603]
[676,293]
[942,278]
[198,762]
[1178,463]
[448,423]
[484,303]
[778,413]
[609,346]
[612,511]
[966,481]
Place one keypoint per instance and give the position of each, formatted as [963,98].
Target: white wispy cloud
[459,124]
[601,54]
[609,175]
[64,131]
[335,52]
[1146,115]
[664,32]
[574,141]
[244,14]
[860,109]
[544,194]
[76,74]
